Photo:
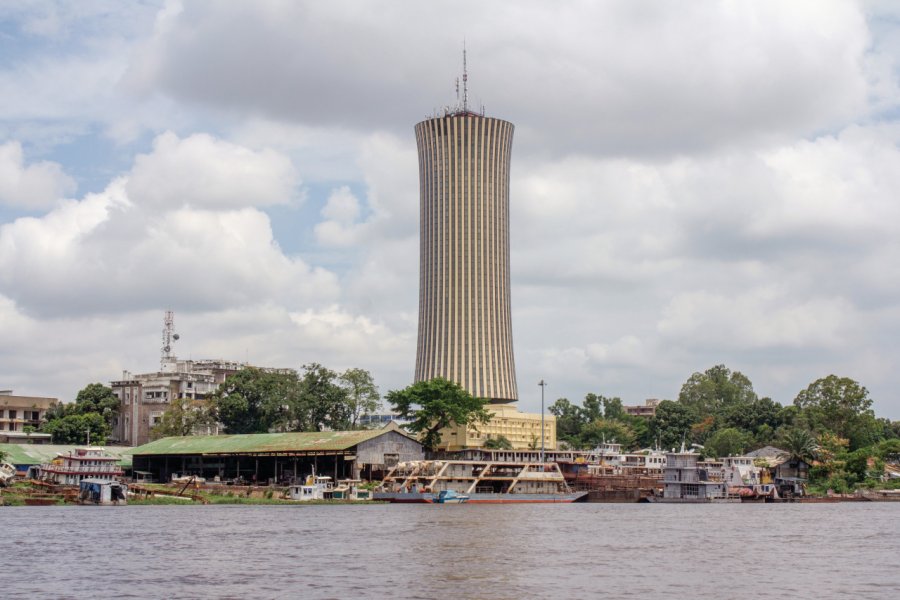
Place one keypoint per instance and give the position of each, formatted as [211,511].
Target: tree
[361,393]
[842,406]
[321,402]
[501,442]
[568,420]
[613,409]
[253,400]
[671,424]
[435,404]
[608,431]
[97,398]
[800,444]
[708,392]
[727,442]
[591,409]
[76,429]
[183,417]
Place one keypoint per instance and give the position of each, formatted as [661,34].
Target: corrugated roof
[309,441]
[35,454]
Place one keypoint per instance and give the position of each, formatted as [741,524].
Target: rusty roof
[260,443]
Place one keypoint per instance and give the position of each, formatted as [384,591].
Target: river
[450,552]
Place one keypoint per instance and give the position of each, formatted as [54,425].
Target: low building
[647,410]
[279,457]
[20,412]
[685,481]
[523,430]
[788,474]
[143,398]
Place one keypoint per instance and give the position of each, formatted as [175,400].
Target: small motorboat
[450,497]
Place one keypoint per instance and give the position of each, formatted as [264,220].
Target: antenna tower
[168,336]
[465,81]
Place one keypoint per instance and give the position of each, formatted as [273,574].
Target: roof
[36,454]
[256,443]
[768,452]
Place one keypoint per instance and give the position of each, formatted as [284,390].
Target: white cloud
[35,186]
[149,239]
[204,172]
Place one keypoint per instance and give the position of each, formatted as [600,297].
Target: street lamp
[543,384]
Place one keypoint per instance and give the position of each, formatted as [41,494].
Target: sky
[692,184]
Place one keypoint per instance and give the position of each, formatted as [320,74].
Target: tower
[465,325]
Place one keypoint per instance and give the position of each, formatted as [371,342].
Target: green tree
[97,398]
[842,406]
[183,417]
[500,442]
[613,409]
[591,409]
[727,442]
[321,403]
[671,424]
[435,404]
[800,444]
[606,430]
[253,400]
[361,394]
[77,428]
[709,392]
[569,420]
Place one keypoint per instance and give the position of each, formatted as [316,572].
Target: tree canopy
[435,404]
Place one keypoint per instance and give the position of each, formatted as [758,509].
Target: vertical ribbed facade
[465,326]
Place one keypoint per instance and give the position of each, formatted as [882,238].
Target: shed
[278,457]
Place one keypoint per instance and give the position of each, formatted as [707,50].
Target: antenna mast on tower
[465,81]
[168,336]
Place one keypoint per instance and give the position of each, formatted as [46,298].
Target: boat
[7,473]
[314,488]
[451,497]
[482,482]
[102,491]
[72,467]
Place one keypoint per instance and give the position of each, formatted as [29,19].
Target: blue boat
[450,497]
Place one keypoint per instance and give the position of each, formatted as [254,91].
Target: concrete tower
[465,327]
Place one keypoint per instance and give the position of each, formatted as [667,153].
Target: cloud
[179,229]
[628,79]
[35,186]
[204,172]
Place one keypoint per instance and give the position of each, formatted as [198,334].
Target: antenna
[168,336]
[465,81]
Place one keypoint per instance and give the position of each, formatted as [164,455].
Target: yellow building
[523,430]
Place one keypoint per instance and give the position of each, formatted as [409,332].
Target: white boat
[72,467]
[481,482]
[7,472]
[315,488]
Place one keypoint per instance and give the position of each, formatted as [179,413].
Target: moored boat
[481,482]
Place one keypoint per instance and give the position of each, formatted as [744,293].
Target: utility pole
[543,384]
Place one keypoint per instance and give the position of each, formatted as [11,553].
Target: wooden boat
[482,482]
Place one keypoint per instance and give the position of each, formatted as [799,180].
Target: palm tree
[801,445]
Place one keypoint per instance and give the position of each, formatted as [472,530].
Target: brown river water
[453,551]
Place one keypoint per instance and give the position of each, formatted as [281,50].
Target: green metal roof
[36,454]
[309,441]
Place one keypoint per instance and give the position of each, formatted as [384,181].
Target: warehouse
[278,457]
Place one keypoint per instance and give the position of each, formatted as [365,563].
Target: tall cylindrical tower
[465,326]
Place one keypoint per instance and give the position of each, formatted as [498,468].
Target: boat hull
[476,498]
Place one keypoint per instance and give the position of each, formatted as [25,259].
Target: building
[143,398]
[647,410]
[523,430]
[685,481]
[279,457]
[20,412]
[465,327]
